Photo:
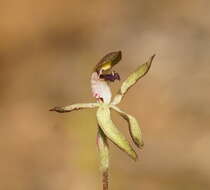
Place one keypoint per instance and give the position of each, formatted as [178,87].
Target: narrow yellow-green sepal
[135,76]
[111,131]
[132,79]
[74,107]
[134,128]
[103,149]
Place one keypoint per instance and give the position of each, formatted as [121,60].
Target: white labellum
[100,88]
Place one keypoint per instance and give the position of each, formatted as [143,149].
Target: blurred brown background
[47,52]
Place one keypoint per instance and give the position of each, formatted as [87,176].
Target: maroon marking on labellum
[110,77]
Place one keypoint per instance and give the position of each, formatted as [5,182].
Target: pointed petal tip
[58,109]
[151,58]
[135,158]
[52,109]
[133,155]
[140,145]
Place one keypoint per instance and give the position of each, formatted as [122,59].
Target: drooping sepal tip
[134,128]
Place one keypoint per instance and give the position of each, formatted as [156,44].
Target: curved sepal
[111,131]
[132,79]
[134,128]
[74,107]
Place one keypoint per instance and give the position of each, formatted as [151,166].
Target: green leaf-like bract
[110,130]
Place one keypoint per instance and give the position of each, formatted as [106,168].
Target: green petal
[134,128]
[103,149]
[111,131]
[132,79]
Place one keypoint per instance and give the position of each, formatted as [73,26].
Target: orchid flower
[107,130]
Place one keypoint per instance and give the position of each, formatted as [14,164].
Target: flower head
[100,79]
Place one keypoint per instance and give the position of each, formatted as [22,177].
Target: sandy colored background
[47,52]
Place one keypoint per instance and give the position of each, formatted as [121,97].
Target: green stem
[105,179]
[104,156]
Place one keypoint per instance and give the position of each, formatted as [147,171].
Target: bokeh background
[47,52]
